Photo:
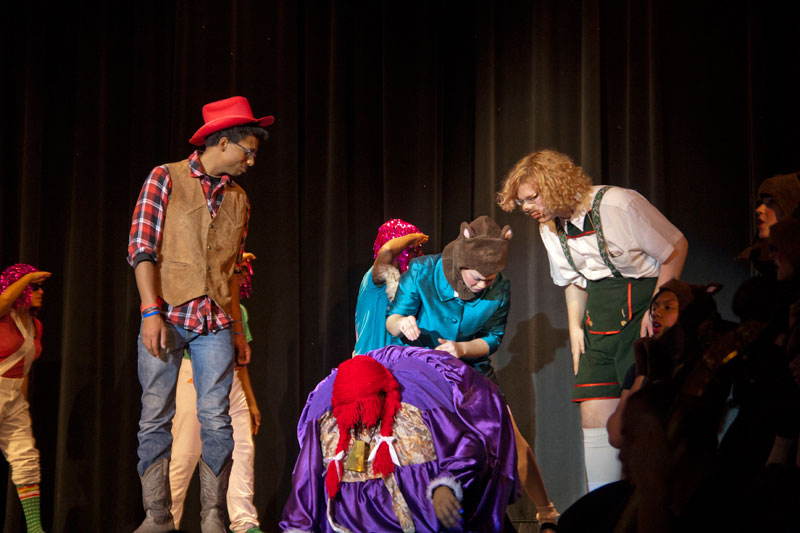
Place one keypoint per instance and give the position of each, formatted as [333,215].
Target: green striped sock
[29,497]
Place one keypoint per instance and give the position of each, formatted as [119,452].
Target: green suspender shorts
[614,310]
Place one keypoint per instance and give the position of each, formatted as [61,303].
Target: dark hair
[235,134]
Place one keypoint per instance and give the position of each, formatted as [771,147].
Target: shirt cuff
[138,258]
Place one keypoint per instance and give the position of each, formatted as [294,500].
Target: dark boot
[157,499]
[213,497]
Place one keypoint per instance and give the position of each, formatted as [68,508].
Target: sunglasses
[36,287]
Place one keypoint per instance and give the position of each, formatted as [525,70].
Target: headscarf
[785,190]
[481,245]
[356,399]
[391,229]
[698,322]
[10,276]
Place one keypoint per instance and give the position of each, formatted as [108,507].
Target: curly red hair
[561,183]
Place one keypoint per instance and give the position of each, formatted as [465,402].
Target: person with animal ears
[687,327]
[458,302]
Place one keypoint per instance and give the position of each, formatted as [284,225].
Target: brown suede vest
[198,254]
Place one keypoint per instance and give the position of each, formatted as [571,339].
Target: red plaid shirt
[145,240]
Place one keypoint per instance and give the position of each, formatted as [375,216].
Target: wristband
[151,313]
[148,309]
[144,307]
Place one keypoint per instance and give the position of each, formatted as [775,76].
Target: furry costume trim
[389,275]
[448,481]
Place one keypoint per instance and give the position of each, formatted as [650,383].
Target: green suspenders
[594,217]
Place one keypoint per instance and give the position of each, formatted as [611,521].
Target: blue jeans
[212,364]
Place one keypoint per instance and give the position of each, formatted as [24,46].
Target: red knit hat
[233,111]
[356,400]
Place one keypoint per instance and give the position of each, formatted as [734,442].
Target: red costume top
[11,340]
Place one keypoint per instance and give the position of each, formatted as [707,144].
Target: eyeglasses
[36,287]
[251,154]
[529,200]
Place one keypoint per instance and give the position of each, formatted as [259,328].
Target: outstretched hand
[38,276]
[416,239]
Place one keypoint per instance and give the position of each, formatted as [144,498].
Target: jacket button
[208,268]
[211,226]
[206,289]
[209,247]
[453,320]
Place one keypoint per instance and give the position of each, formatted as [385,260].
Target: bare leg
[782,451]
[531,478]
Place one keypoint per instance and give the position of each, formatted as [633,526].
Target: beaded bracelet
[151,313]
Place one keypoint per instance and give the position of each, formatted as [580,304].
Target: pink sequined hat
[392,229]
[12,274]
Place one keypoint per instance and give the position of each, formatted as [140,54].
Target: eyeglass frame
[520,202]
[249,153]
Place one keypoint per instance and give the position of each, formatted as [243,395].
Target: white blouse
[638,237]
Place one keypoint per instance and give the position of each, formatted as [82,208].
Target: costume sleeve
[148,217]
[480,472]
[407,299]
[652,233]
[305,508]
[461,455]
[246,323]
[494,328]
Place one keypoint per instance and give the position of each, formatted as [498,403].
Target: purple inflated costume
[453,429]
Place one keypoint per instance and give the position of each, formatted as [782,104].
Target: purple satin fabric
[472,435]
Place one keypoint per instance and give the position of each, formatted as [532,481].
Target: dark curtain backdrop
[383,109]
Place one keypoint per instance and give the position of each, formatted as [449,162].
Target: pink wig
[397,228]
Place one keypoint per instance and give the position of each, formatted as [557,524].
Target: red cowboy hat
[233,111]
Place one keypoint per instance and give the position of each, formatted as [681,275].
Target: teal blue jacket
[371,310]
[425,293]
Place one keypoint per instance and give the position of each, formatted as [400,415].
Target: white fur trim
[334,526]
[293,530]
[390,276]
[448,481]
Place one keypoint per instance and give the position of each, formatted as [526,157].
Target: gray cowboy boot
[156,499]
[213,497]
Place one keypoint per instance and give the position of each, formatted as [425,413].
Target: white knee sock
[602,463]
